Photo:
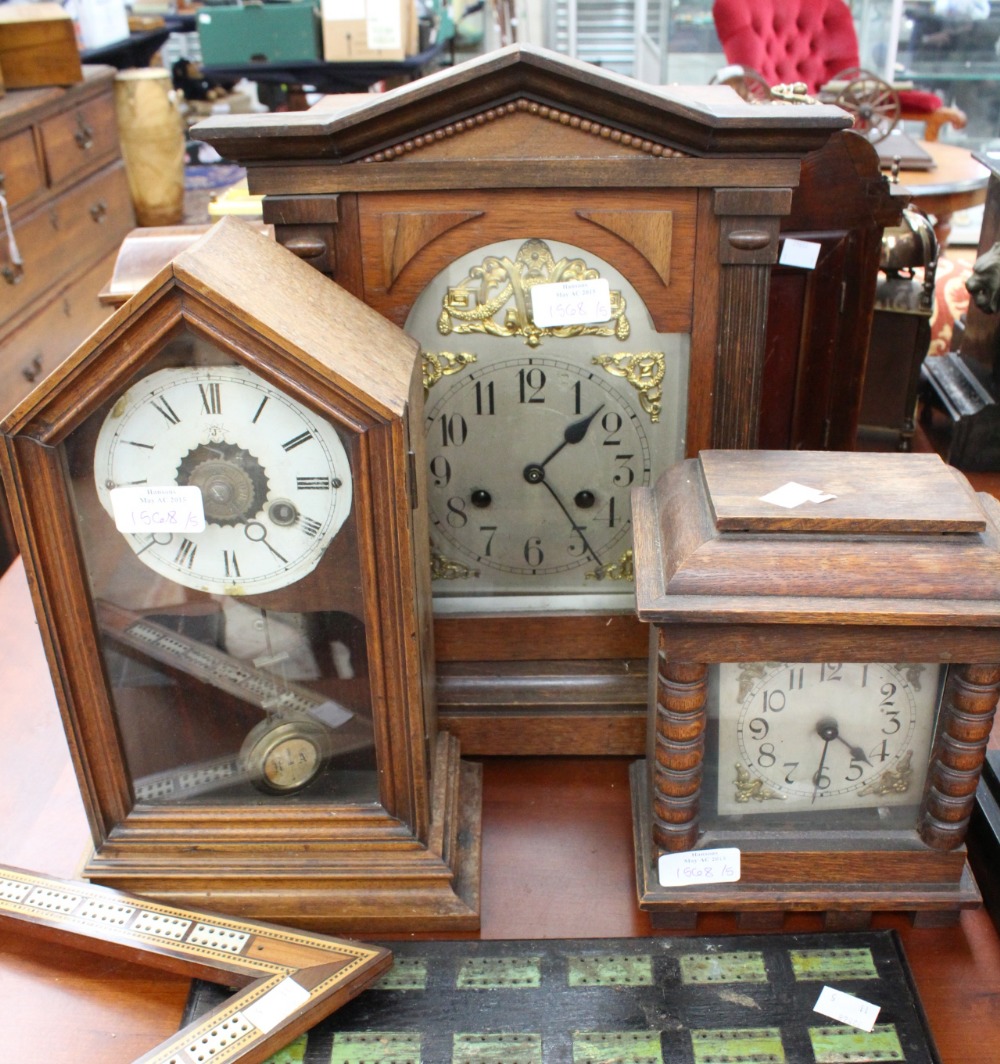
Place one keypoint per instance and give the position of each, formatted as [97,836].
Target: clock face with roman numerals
[273,477]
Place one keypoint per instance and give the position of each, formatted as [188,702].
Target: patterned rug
[664,1000]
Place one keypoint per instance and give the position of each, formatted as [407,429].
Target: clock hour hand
[573,433]
[857,753]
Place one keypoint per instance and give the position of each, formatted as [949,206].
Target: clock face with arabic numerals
[538,427]
[550,501]
[808,737]
[273,479]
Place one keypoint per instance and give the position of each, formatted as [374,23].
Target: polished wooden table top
[557,862]
[956,182]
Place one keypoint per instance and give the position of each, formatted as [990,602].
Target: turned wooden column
[959,751]
[678,752]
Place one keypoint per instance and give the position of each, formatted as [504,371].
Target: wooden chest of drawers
[62,175]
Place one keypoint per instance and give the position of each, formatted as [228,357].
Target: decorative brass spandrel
[476,302]
[623,569]
[644,370]
[443,568]
[893,780]
[438,364]
[750,789]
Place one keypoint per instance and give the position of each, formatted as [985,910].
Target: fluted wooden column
[749,222]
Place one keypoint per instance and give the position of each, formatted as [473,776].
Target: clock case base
[811,886]
[400,889]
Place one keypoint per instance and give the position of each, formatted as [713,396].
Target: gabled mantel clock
[227,549]
[827,666]
[585,262]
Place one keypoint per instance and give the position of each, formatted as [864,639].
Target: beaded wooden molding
[553,114]
[290,979]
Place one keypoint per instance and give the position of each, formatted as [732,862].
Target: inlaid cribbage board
[731,1000]
[287,979]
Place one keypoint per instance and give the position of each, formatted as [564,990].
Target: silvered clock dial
[538,427]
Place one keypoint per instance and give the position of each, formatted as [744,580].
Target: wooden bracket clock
[585,262]
[227,548]
[826,666]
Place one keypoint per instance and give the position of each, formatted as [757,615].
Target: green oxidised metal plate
[761,1045]
[610,970]
[838,1044]
[736,967]
[824,965]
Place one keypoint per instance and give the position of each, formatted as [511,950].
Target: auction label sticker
[847,1009]
[699,866]
[571,303]
[167,509]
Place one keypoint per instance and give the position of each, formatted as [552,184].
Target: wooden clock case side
[682,191]
[410,861]
[711,595]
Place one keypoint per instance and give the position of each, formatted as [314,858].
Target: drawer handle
[33,370]
[84,135]
[99,210]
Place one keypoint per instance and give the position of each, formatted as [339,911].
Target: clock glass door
[804,748]
[550,396]
[215,515]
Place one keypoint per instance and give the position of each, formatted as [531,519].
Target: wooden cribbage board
[664,1000]
[288,979]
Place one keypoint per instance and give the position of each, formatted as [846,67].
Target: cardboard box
[38,46]
[259,33]
[365,30]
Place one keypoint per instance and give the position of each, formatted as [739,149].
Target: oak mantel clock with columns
[825,669]
[585,261]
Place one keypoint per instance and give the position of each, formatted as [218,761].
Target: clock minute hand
[827,731]
[573,433]
[576,528]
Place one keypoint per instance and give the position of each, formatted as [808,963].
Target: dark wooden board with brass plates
[585,262]
[827,664]
[288,980]
[227,549]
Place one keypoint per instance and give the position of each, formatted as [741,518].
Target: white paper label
[276,1005]
[847,1009]
[172,508]
[571,303]
[384,28]
[699,866]
[803,253]
[791,495]
[343,10]
[331,713]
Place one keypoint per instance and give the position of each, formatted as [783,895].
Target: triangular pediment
[572,102]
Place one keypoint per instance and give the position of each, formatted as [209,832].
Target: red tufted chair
[810,41]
